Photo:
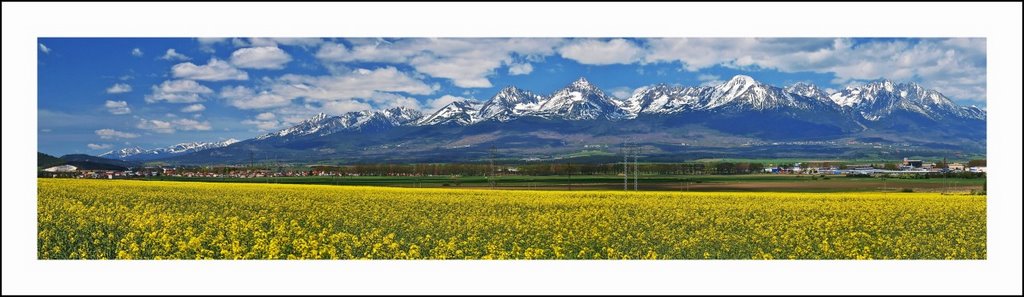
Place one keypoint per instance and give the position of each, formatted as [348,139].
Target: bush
[907,190]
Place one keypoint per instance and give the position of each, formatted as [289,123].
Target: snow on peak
[742,80]
[458,112]
[136,152]
[581,82]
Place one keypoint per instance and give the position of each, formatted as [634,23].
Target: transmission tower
[636,167]
[625,167]
[492,179]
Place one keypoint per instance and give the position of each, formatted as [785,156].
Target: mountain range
[740,117]
[136,153]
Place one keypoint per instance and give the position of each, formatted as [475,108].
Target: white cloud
[119,88]
[520,69]
[137,52]
[214,70]
[341,107]
[114,134]
[102,146]
[172,55]
[44,48]
[245,98]
[268,57]
[597,52]
[155,126]
[168,127]
[709,79]
[359,83]
[206,43]
[194,108]
[117,107]
[466,62]
[435,104]
[389,100]
[266,116]
[262,125]
[178,91]
[190,125]
[622,92]
[292,41]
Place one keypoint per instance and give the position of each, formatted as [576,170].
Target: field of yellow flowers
[105,219]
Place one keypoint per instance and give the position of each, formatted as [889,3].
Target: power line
[636,169]
[625,167]
[492,180]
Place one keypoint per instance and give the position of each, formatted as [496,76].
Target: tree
[976,163]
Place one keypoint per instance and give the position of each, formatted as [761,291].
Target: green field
[757,182]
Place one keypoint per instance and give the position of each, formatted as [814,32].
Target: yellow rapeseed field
[104,219]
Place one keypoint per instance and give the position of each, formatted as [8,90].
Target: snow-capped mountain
[741,108]
[809,91]
[663,99]
[744,93]
[138,153]
[322,124]
[581,100]
[510,103]
[881,98]
[457,113]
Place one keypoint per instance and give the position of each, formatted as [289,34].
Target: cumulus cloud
[622,92]
[206,43]
[178,91]
[389,100]
[194,108]
[155,126]
[268,57]
[168,127]
[119,88]
[101,146]
[709,79]
[137,52]
[265,121]
[466,62]
[266,116]
[341,107]
[114,134]
[598,52]
[520,69]
[263,125]
[214,70]
[190,125]
[243,97]
[359,83]
[290,41]
[173,55]
[117,107]
[44,48]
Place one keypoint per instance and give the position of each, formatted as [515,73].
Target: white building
[61,168]
[977,169]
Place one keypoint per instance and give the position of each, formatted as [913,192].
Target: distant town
[905,167]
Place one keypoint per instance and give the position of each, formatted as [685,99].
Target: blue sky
[98,94]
